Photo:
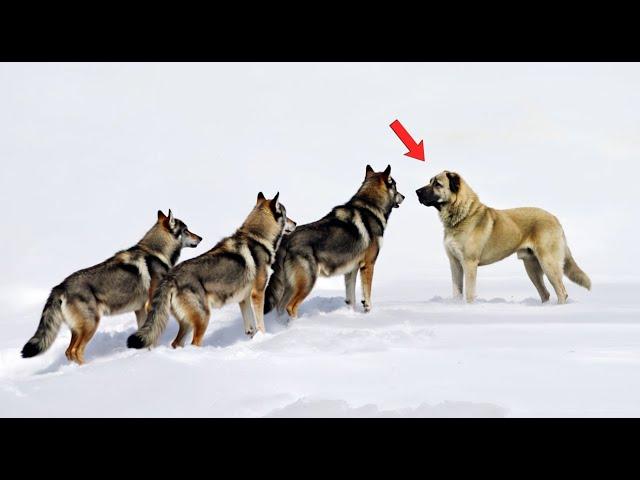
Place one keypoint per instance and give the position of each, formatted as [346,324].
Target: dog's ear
[454,181]
[260,198]
[172,221]
[274,203]
[161,216]
[387,172]
[368,172]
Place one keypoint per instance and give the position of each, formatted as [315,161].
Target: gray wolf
[234,271]
[343,242]
[123,283]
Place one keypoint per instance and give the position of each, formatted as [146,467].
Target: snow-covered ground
[506,355]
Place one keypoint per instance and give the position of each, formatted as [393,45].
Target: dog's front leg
[457,275]
[350,287]
[248,316]
[470,268]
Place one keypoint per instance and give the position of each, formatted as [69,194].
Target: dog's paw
[366,307]
[250,332]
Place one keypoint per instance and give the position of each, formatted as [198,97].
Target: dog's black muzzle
[427,198]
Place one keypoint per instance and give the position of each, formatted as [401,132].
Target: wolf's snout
[290,226]
[398,200]
[194,239]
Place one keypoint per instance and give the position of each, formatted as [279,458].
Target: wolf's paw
[366,306]
[250,332]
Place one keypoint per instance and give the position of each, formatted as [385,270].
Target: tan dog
[475,234]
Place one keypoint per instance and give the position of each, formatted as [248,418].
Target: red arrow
[416,150]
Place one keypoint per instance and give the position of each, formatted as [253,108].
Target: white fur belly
[342,270]
[216,302]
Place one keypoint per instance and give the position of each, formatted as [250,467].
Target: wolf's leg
[182,308]
[200,321]
[534,270]
[70,353]
[257,299]
[457,275]
[553,270]
[248,316]
[366,278]
[470,268]
[141,317]
[82,320]
[350,287]
[302,288]
[184,329]
[89,329]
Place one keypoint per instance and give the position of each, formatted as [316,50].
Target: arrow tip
[417,151]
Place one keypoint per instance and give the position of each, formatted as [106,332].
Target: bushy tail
[573,271]
[275,288]
[158,317]
[49,325]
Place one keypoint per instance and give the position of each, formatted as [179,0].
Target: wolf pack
[270,263]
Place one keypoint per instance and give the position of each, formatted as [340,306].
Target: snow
[506,355]
[90,152]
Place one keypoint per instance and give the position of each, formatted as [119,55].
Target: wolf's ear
[172,221]
[260,198]
[274,204]
[369,171]
[387,171]
[454,181]
[161,216]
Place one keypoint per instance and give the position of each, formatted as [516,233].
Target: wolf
[343,242]
[476,235]
[234,271]
[123,283]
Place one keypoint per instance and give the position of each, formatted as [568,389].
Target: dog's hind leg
[553,270]
[534,270]
[350,287]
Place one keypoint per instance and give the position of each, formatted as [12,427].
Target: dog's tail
[275,288]
[574,272]
[48,327]
[158,317]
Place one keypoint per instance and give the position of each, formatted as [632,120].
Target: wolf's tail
[48,327]
[276,286]
[574,272]
[158,317]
